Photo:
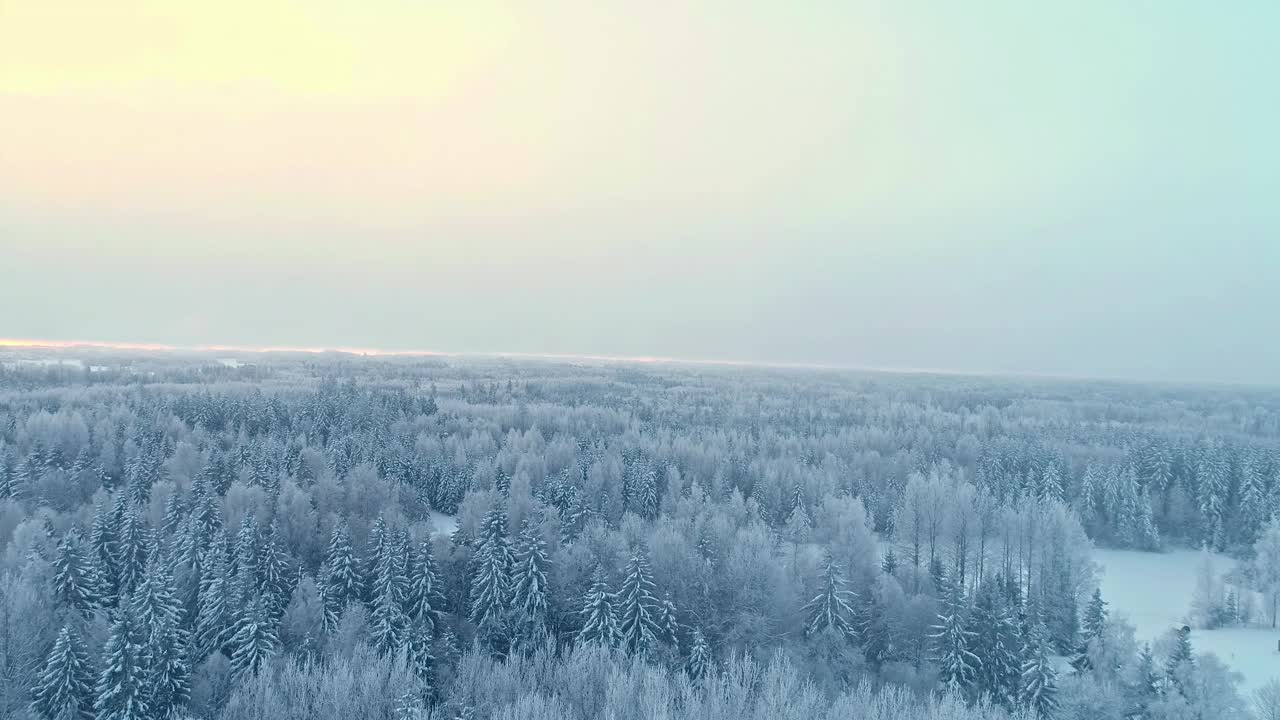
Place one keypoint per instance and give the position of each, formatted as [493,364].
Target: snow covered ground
[1154,591]
[442,524]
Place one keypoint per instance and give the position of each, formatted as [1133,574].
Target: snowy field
[1153,590]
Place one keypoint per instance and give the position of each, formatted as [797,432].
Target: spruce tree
[274,576]
[529,584]
[668,623]
[600,620]
[425,601]
[1039,690]
[213,617]
[1180,658]
[64,690]
[169,669]
[889,565]
[74,583]
[121,691]
[255,639]
[388,589]
[491,576]
[104,543]
[343,581]
[699,656]
[135,542]
[832,607]
[638,607]
[995,642]
[1094,624]
[958,666]
[1148,681]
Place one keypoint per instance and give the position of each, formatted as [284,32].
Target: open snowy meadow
[1154,591]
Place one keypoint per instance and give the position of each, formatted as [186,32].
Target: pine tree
[154,605]
[421,654]
[668,624]
[876,627]
[699,656]
[832,607]
[425,601]
[274,575]
[343,580]
[995,642]
[958,666]
[7,489]
[388,622]
[600,620]
[169,669]
[64,690]
[529,584]
[122,684]
[638,606]
[1254,508]
[173,516]
[213,617]
[105,550]
[1211,475]
[255,639]
[1095,620]
[74,583]
[491,576]
[1039,690]
[1148,681]
[1180,657]
[134,544]
[889,565]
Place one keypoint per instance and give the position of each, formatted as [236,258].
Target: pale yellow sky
[843,182]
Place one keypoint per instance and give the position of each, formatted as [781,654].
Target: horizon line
[47,344]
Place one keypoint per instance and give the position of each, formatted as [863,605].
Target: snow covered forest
[331,536]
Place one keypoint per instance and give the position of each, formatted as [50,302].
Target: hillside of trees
[342,537]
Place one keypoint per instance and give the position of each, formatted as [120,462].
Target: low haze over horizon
[1084,189]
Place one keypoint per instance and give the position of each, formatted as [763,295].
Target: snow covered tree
[699,663]
[1253,503]
[638,606]
[388,623]
[958,666]
[1039,688]
[65,687]
[133,546]
[121,691]
[169,670]
[529,584]
[425,600]
[343,581]
[1093,627]
[1180,658]
[995,642]
[274,575]
[213,615]
[1212,473]
[491,577]
[1147,679]
[105,546]
[889,564]
[74,583]
[668,624]
[1207,601]
[832,607]
[255,639]
[600,620]
[1267,564]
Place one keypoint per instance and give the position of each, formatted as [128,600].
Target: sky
[1080,188]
